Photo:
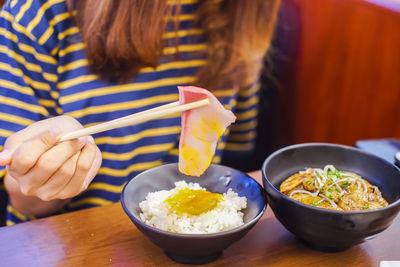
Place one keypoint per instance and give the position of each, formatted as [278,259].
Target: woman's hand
[39,166]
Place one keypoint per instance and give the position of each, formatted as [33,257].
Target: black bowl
[194,248]
[329,229]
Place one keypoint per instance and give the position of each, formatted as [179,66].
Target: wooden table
[104,236]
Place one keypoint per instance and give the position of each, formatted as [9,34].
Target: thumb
[5,157]
[93,170]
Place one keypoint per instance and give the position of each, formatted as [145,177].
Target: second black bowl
[323,228]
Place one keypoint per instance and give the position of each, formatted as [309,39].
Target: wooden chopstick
[136,118]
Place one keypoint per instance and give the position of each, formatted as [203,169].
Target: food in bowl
[201,128]
[194,248]
[333,189]
[191,209]
[329,229]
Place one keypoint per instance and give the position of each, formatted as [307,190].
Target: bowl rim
[321,144]
[188,235]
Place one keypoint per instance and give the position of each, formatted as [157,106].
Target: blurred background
[332,75]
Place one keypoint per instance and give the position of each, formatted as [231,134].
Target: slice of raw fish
[201,129]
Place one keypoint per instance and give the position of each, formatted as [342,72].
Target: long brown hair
[123,36]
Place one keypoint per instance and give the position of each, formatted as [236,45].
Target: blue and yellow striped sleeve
[28,74]
[241,139]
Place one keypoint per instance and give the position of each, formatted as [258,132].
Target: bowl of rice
[193,219]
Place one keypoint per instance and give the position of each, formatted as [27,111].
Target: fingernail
[85,184]
[90,139]
[83,140]
[56,131]
[5,157]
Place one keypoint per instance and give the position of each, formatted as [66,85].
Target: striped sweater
[44,73]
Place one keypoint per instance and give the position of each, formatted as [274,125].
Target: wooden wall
[344,83]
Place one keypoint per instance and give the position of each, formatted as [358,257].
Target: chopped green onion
[329,195]
[365,207]
[314,203]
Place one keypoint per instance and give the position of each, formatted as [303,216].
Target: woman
[67,64]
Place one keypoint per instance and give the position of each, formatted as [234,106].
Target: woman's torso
[73,90]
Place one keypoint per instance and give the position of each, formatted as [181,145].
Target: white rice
[226,215]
